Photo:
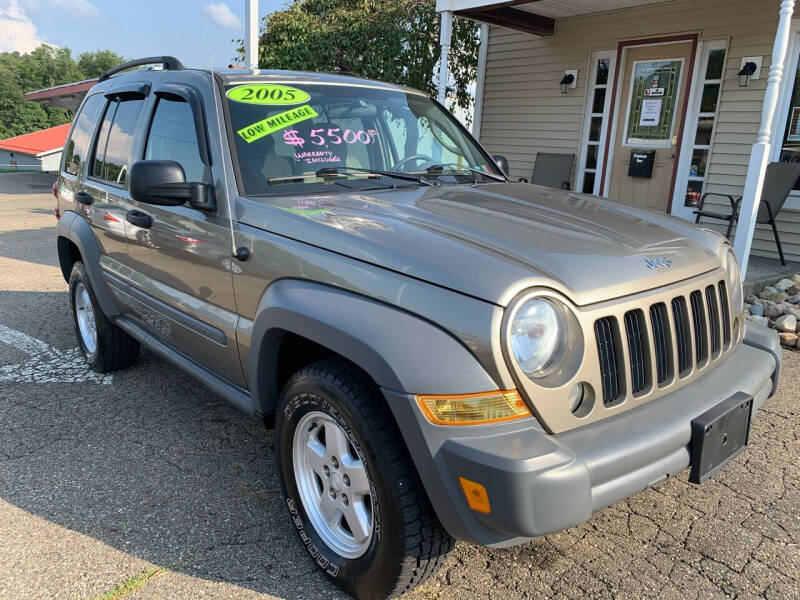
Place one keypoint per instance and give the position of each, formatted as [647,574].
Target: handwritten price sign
[333,135]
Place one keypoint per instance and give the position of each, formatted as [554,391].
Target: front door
[651,103]
[181,256]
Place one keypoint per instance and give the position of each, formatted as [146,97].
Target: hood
[494,240]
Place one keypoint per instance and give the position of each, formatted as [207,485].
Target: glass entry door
[649,115]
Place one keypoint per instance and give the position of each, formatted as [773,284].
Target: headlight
[537,337]
[735,281]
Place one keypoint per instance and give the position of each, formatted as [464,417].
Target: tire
[110,348]
[407,543]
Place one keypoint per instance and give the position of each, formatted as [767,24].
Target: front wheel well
[289,353]
[294,353]
[68,255]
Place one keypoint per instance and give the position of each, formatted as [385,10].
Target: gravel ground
[147,484]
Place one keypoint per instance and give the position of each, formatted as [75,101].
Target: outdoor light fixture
[566,82]
[747,71]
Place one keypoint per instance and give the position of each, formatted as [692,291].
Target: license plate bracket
[720,435]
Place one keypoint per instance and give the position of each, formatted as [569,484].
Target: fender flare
[399,350]
[78,231]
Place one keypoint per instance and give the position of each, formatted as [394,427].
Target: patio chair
[779,181]
[552,170]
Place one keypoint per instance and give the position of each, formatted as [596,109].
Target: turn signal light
[474,409]
[476,495]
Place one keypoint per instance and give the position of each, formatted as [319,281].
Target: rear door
[181,260]
[76,154]
[106,182]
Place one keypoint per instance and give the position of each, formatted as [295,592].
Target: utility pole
[251,35]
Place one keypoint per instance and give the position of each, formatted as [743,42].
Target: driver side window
[172,136]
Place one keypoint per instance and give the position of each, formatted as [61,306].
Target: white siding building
[37,151]
[659,77]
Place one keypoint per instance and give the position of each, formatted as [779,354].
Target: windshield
[308,138]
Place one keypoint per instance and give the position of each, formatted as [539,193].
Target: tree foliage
[42,68]
[390,40]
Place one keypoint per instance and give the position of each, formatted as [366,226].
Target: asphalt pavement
[145,485]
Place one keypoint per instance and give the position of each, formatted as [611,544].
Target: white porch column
[477,112]
[761,149]
[251,35]
[444,67]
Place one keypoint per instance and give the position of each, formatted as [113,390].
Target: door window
[78,143]
[655,88]
[790,142]
[595,125]
[115,141]
[706,119]
[172,136]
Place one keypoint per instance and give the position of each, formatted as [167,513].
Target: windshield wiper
[394,174]
[343,172]
[321,174]
[443,170]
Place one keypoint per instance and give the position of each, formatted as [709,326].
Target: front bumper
[539,483]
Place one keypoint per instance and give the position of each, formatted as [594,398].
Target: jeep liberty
[444,353]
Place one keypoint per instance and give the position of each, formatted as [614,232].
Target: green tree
[390,40]
[93,64]
[43,67]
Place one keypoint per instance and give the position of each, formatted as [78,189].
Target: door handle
[138,218]
[83,198]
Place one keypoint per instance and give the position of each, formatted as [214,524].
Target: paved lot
[147,484]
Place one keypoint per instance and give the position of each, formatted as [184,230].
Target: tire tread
[116,350]
[427,544]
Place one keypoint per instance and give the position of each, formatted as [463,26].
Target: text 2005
[334,135]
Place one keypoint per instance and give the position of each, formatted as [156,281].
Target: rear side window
[115,141]
[78,143]
[173,137]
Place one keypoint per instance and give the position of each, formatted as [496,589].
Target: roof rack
[170,64]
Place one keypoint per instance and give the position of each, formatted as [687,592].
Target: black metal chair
[779,181]
[553,170]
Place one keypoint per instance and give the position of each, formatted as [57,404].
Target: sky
[132,28]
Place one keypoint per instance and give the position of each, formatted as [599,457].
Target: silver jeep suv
[444,354]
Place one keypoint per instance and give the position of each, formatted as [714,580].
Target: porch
[762,271]
[715,131]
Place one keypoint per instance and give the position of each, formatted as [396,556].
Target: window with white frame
[784,143]
[704,120]
[596,120]
[788,137]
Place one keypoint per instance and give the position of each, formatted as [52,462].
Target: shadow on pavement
[26,183]
[31,245]
[152,464]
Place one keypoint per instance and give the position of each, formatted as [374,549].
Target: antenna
[238,253]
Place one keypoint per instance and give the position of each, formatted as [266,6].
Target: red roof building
[37,151]
[38,142]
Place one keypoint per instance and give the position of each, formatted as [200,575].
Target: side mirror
[502,162]
[163,183]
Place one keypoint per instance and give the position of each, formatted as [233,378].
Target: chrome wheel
[84,312]
[333,485]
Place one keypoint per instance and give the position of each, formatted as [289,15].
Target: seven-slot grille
[663,342]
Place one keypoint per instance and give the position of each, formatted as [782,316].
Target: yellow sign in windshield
[264,127]
[267,93]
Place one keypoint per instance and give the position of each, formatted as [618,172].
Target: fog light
[576,395]
[476,495]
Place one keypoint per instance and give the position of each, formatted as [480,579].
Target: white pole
[477,112]
[444,67]
[251,35]
[759,158]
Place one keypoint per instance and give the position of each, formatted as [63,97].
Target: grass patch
[137,582]
[131,585]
